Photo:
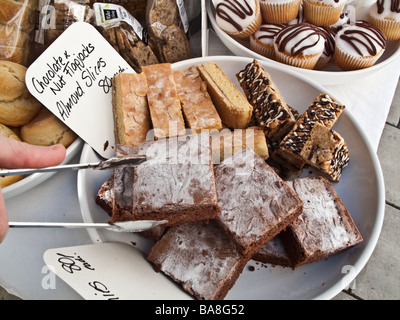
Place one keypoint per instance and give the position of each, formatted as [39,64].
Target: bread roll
[46,130]
[17,105]
[6,181]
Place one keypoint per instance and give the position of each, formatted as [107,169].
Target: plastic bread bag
[17,20]
[57,15]
[125,34]
[137,8]
[168,27]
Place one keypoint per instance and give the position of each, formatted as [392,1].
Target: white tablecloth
[22,270]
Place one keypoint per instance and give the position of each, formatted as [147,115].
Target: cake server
[112,163]
[127,227]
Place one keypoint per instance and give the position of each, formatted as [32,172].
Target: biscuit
[17,105]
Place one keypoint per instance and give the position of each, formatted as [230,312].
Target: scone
[7,181]
[47,130]
[17,105]
[233,108]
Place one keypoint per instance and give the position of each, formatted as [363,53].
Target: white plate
[331,75]
[37,178]
[361,188]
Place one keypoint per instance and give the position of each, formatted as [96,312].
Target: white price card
[73,79]
[111,271]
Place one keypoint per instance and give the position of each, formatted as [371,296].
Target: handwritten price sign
[73,79]
[111,271]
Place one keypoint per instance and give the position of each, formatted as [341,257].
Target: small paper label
[183,14]
[111,271]
[73,79]
[109,14]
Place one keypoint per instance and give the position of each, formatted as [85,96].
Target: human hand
[20,155]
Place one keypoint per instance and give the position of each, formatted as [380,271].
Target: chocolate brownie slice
[324,228]
[200,257]
[255,202]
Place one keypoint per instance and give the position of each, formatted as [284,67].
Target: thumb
[16,154]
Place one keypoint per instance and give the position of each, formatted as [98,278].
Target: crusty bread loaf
[197,106]
[130,109]
[7,181]
[233,108]
[17,105]
[46,130]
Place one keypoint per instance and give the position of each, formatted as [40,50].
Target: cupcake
[385,15]
[238,18]
[279,11]
[329,49]
[358,46]
[262,42]
[323,12]
[299,18]
[345,18]
[299,45]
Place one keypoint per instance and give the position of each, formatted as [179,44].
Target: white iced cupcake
[358,46]
[279,11]
[385,15]
[262,41]
[329,49]
[299,45]
[344,19]
[299,18]
[239,18]
[323,12]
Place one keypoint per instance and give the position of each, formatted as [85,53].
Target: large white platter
[37,178]
[331,75]
[361,188]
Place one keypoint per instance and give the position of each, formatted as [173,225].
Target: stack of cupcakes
[311,33]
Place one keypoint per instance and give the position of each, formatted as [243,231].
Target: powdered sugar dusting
[178,172]
[199,256]
[252,197]
[320,226]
